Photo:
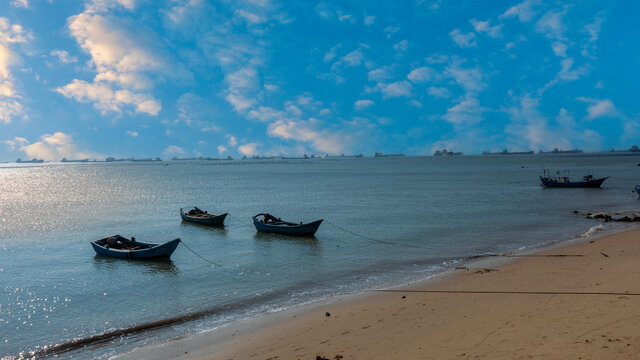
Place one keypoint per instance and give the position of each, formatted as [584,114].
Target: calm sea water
[419,214]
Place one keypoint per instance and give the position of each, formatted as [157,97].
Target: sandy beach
[579,301]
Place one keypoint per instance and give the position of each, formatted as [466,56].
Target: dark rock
[327,314]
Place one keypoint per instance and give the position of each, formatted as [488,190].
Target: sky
[188,78]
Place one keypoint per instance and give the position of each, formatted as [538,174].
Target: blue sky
[97,78]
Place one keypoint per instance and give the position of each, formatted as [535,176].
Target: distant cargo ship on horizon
[32,161]
[558,151]
[379,154]
[444,152]
[506,152]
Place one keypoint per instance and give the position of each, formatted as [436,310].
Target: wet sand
[583,304]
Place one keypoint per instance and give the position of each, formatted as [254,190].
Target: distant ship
[201,158]
[444,152]
[378,154]
[65,160]
[505,152]
[112,159]
[32,161]
[343,156]
[558,151]
[634,148]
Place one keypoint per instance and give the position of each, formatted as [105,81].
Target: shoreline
[238,339]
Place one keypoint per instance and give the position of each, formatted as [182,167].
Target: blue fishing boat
[268,223]
[198,216]
[588,181]
[638,189]
[121,247]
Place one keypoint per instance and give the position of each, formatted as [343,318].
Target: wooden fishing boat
[268,223]
[121,247]
[588,181]
[202,217]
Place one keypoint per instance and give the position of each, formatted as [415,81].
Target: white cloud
[469,78]
[467,111]
[559,48]
[54,147]
[250,17]
[239,103]
[593,29]
[463,40]
[133,80]
[242,85]
[329,12]
[15,144]
[439,92]
[113,46]
[600,108]
[369,20]
[248,149]
[63,56]
[567,73]
[530,129]
[232,140]
[127,58]
[354,58]
[308,131]
[524,11]
[20,3]
[390,30]
[401,46]
[396,89]
[265,114]
[380,74]
[106,100]
[363,104]
[485,27]
[552,26]
[173,150]
[95,6]
[222,149]
[11,106]
[132,133]
[10,109]
[421,74]
[332,53]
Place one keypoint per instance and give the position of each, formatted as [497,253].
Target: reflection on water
[159,265]
[220,229]
[304,240]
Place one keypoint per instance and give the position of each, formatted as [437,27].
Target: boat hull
[308,229]
[154,251]
[595,183]
[212,220]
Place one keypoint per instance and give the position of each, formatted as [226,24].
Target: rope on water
[370,238]
[198,255]
[240,221]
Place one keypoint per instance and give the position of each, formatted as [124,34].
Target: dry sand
[535,307]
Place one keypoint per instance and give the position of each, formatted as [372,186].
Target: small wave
[592,230]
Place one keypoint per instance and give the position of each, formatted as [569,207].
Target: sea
[387,221]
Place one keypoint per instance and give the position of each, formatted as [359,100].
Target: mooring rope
[378,240]
[240,221]
[198,255]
